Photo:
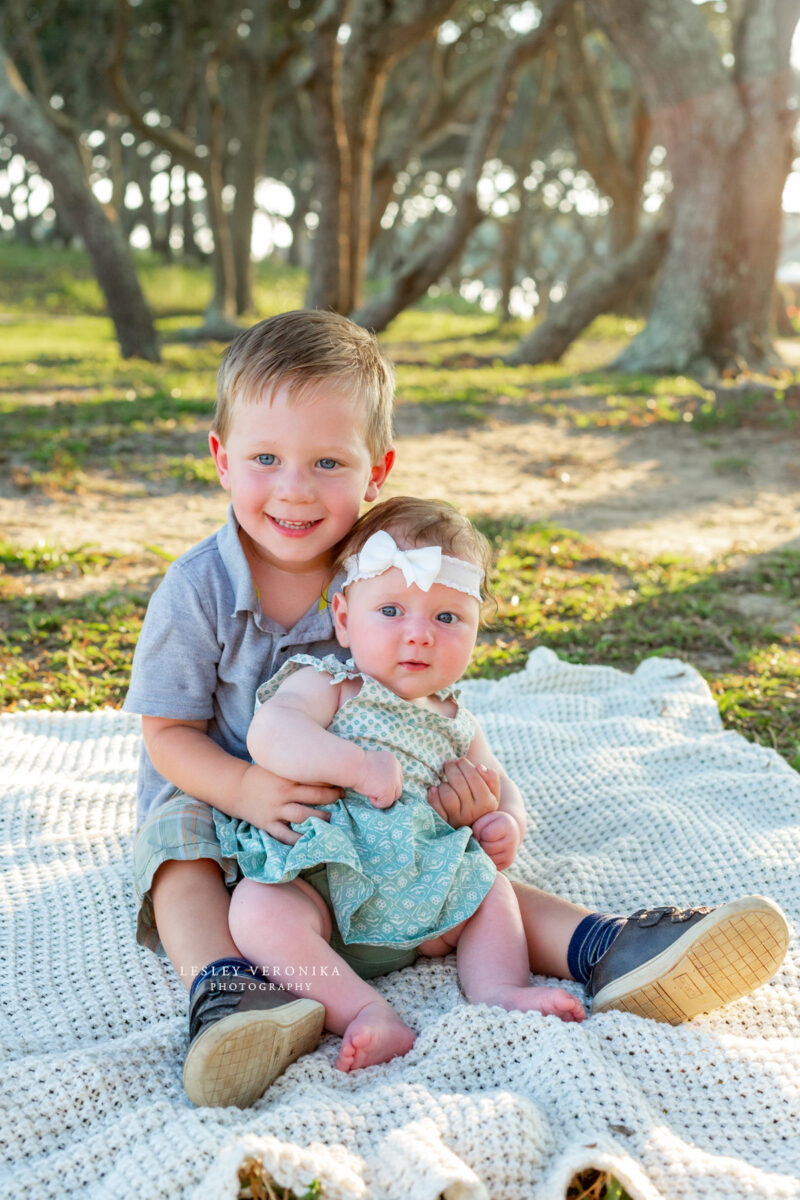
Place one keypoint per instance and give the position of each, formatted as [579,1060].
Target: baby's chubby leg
[493,960]
[284,929]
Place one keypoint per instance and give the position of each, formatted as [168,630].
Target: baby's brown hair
[413,522]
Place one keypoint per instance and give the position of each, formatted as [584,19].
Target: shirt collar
[315,624]
[234,560]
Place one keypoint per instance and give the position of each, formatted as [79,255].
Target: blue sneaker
[671,964]
[244,1031]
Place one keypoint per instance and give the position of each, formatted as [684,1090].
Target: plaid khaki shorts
[183,830]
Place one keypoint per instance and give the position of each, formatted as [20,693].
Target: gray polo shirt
[205,646]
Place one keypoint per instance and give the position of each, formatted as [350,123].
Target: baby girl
[380,878]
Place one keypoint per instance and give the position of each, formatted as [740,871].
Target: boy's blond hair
[413,522]
[307,348]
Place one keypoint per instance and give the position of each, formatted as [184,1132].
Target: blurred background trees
[549,160]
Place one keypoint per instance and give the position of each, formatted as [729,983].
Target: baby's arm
[289,735]
[499,833]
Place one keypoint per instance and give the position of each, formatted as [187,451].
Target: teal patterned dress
[397,876]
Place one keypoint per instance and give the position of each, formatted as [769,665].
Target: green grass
[555,589]
[57,282]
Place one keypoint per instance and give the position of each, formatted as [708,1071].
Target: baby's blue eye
[327,463]
[389,610]
[447,618]
[265,460]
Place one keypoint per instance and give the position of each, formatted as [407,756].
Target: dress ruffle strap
[329,665]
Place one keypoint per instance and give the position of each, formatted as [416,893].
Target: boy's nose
[293,485]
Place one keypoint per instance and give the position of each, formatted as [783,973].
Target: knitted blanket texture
[636,797]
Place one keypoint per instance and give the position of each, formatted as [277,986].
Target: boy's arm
[289,736]
[510,795]
[499,833]
[183,753]
[175,672]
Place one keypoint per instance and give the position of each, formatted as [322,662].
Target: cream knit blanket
[636,797]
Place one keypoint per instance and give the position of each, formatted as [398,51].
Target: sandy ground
[666,488]
[663,488]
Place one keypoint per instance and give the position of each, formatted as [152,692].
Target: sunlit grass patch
[68,654]
[421,325]
[475,389]
[60,282]
[67,635]
[47,558]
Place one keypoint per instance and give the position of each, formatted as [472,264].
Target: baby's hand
[499,835]
[465,792]
[381,780]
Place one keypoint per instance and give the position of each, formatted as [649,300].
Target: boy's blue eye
[327,463]
[265,460]
[389,610]
[447,618]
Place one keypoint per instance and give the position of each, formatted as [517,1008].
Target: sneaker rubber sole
[726,955]
[235,1060]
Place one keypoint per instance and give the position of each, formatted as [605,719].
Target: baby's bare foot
[552,1001]
[375,1035]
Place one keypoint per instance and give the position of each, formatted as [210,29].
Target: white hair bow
[380,552]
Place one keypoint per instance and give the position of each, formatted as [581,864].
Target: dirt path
[662,488]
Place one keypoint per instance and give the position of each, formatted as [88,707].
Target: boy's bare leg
[549,923]
[284,928]
[191,904]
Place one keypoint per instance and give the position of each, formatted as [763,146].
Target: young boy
[301,437]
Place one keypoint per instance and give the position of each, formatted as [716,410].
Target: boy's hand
[381,780]
[270,802]
[499,835]
[465,793]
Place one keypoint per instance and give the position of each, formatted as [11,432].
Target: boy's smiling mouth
[294,526]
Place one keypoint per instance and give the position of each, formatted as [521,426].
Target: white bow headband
[423,566]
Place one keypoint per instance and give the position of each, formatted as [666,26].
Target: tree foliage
[522,146]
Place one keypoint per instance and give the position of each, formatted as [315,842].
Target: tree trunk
[219,317]
[348,86]
[58,160]
[416,275]
[363,137]
[727,139]
[248,165]
[612,150]
[512,229]
[331,252]
[602,290]
[750,228]
[147,216]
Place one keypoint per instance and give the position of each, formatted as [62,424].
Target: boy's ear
[378,474]
[339,605]
[220,457]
